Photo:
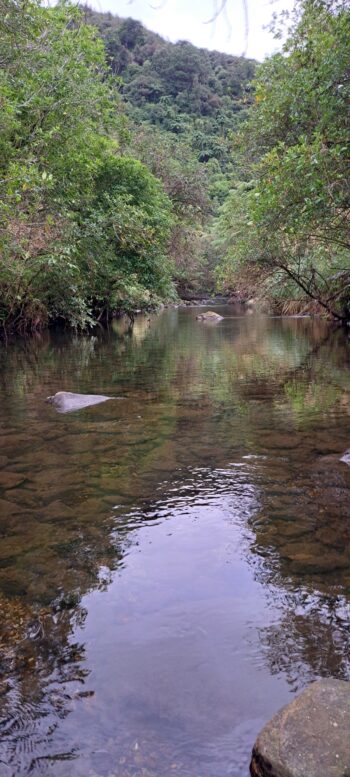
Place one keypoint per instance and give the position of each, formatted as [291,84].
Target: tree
[295,219]
[186,183]
[61,127]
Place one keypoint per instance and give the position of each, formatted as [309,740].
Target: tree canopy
[84,228]
[133,169]
[288,217]
[176,86]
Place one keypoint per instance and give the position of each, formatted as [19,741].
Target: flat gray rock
[67,402]
[309,737]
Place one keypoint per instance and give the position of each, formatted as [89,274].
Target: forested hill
[115,157]
[176,86]
[134,170]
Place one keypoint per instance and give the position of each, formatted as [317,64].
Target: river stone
[209,316]
[66,401]
[309,737]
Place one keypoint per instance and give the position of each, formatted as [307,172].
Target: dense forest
[193,93]
[135,171]
[184,106]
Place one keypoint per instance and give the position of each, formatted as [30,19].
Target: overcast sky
[186,20]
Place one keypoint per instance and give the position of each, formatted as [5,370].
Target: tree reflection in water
[310,640]
[243,423]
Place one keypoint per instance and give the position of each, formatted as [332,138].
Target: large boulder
[209,315]
[309,737]
[66,401]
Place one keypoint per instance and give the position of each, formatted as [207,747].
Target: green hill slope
[180,88]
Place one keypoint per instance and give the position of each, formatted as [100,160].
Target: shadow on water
[174,565]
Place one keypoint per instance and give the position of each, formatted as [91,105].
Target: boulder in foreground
[309,737]
[66,401]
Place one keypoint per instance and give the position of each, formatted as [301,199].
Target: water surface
[174,564]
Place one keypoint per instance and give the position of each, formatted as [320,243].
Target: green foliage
[83,229]
[184,90]
[115,153]
[294,218]
[187,183]
[128,224]
[184,105]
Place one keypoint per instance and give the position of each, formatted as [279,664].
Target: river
[174,563]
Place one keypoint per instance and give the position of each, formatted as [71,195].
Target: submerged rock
[66,401]
[209,316]
[332,466]
[309,737]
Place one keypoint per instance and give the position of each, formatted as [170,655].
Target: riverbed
[175,562]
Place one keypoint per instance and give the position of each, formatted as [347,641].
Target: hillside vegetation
[184,106]
[284,229]
[106,181]
[134,170]
[187,91]
[84,228]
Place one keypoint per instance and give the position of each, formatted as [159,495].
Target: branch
[310,294]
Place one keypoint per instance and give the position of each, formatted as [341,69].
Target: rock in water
[209,316]
[309,737]
[66,401]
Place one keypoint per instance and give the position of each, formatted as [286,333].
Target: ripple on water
[175,566]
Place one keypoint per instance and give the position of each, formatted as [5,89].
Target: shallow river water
[174,563]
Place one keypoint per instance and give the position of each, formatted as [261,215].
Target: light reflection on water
[175,565]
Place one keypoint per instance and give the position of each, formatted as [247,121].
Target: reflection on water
[175,565]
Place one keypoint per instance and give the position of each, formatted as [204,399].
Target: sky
[190,20]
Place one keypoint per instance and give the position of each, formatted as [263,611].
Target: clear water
[174,564]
